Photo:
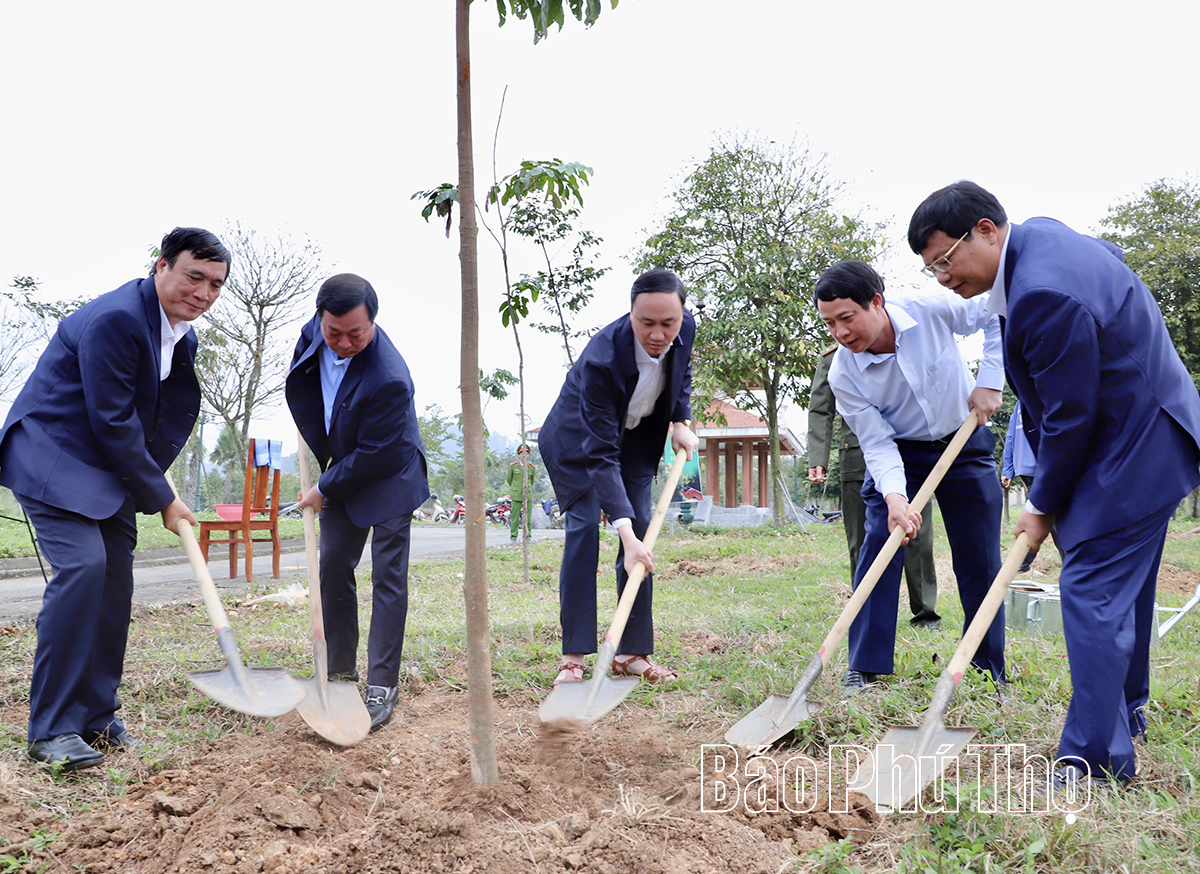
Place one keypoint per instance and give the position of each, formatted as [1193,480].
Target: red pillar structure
[712,470]
[730,474]
[764,481]
[747,473]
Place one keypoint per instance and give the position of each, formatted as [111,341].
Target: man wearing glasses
[1114,421]
[904,389]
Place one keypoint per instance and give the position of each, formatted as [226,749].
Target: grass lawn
[739,614]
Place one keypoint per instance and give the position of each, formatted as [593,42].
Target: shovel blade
[584,703]
[335,711]
[258,692]
[771,720]
[907,760]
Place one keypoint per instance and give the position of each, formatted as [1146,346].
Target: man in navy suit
[107,409]
[1113,418]
[351,395]
[602,443]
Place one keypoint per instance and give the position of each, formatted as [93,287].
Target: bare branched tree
[244,344]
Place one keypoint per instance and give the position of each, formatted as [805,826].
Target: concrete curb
[15,568]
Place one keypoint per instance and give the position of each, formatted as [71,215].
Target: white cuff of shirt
[1032,509]
[618,524]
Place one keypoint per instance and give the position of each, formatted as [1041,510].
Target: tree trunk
[778,517]
[479,653]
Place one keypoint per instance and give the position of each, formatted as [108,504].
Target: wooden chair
[259,511]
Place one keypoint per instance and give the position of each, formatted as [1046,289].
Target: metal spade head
[584,703]
[907,760]
[779,714]
[771,720]
[335,711]
[257,691]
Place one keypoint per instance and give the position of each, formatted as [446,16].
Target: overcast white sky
[123,120]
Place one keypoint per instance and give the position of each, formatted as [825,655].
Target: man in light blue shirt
[1019,463]
[904,389]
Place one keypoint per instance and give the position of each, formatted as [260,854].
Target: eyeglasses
[942,265]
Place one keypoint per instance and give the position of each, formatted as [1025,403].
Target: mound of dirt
[622,795]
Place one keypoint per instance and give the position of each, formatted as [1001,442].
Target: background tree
[752,229]
[19,338]
[538,201]
[28,322]
[563,288]
[543,13]
[1159,232]
[244,342]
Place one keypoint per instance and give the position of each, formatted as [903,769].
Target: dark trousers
[342,545]
[970,499]
[1107,587]
[577,577]
[83,625]
[920,576]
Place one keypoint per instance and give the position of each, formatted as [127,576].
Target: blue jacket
[94,424]
[373,460]
[583,441]
[1018,455]
[1100,383]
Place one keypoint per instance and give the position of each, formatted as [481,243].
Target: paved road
[167,578]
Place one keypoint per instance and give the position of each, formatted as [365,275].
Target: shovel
[584,703]
[334,710]
[257,691]
[780,714]
[911,756]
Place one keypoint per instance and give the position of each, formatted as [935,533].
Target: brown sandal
[654,673]
[575,669]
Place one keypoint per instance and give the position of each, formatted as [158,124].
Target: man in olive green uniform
[919,573]
[516,488]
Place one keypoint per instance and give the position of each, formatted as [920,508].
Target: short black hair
[660,279]
[203,245]
[344,292]
[953,210]
[853,280]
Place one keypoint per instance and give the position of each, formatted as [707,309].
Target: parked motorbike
[553,513]
[499,512]
[438,513]
[458,513]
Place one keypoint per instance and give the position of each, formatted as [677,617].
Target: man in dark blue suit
[351,395]
[107,409]
[1113,418]
[602,443]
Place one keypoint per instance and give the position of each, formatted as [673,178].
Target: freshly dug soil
[623,795]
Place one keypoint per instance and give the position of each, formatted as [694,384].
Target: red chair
[259,511]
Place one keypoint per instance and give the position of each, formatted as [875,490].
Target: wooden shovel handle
[630,592]
[987,610]
[315,609]
[208,589]
[875,571]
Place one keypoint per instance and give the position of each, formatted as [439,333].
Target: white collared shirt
[168,336]
[333,371]
[651,378]
[998,296]
[998,304]
[920,391]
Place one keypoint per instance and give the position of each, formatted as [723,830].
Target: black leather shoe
[66,749]
[122,740]
[854,682]
[343,676]
[381,704]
